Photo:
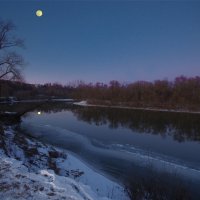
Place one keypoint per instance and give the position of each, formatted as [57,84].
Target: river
[124,144]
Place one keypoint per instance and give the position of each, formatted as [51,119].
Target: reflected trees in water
[181,126]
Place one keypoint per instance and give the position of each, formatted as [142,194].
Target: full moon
[39,13]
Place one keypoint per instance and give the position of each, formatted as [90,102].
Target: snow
[84,103]
[96,181]
[32,170]
[10,113]
[17,183]
[6,113]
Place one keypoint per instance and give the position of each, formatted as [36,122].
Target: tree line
[22,90]
[181,93]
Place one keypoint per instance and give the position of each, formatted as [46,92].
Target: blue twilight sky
[106,40]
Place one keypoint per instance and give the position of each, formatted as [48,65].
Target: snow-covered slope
[18,183]
[32,170]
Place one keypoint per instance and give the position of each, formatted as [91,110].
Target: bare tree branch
[11,64]
[6,39]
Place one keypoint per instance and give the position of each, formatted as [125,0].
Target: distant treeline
[31,91]
[182,93]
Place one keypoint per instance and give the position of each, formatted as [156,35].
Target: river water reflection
[120,142]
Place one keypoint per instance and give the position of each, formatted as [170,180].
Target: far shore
[84,103]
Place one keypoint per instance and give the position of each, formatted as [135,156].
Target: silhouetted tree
[11,63]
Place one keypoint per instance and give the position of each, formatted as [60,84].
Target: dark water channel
[127,145]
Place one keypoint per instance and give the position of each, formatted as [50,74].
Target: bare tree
[11,63]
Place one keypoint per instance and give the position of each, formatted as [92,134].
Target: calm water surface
[121,142]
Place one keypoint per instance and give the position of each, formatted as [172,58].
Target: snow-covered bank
[18,183]
[32,170]
[84,103]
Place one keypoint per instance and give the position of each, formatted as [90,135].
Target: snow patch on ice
[81,103]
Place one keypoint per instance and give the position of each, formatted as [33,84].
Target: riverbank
[85,103]
[32,170]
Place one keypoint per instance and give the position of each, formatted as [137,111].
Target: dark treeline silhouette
[182,93]
[31,91]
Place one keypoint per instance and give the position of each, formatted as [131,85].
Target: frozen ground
[32,170]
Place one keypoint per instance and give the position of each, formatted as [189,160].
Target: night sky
[107,40]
